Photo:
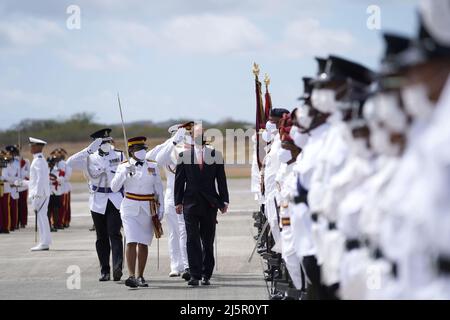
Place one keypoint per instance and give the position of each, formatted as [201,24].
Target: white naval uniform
[301,221]
[271,166]
[39,193]
[99,170]
[136,215]
[10,174]
[288,189]
[166,156]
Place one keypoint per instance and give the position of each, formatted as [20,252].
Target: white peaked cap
[174,128]
[36,141]
[436,17]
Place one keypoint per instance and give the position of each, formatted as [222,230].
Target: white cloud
[211,34]
[307,37]
[27,32]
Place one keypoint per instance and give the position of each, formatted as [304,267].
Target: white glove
[179,135]
[130,169]
[95,145]
[18,183]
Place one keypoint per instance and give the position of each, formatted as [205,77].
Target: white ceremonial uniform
[272,165]
[166,157]
[135,214]
[288,189]
[99,170]
[352,194]
[56,184]
[301,221]
[39,193]
[330,160]
[10,174]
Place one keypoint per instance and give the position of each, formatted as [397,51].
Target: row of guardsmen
[14,169]
[354,186]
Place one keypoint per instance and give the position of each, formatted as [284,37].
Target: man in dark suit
[199,168]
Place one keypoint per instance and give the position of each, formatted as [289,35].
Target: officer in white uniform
[99,162]
[166,157]
[39,192]
[287,155]
[9,176]
[271,167]
[143,202]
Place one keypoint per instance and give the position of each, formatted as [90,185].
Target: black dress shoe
[53,229]
[141,282]
[186,275]
[105,277]
[205,282]
[131,282]
[193,282]
[117,274]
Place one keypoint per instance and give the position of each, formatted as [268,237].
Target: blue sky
[175,58]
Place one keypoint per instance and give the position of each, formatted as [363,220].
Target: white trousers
[272,217]
[177,239]
[43,224]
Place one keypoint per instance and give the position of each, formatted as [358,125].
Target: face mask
[106,147]
[270,126]
[303,118]
[381,144]
[324,100]
[417,103]
[266,136]
[140,155]
[300,139]
[284,155]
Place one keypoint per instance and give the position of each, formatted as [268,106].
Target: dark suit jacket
[194,186]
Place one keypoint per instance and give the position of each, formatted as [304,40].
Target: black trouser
[54,205]
[109,238]
[314,289]
[200,231]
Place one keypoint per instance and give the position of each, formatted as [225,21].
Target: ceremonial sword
[259,240]
[125,141]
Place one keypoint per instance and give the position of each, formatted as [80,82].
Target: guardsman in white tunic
[142,205]
[39,192]
[166,155]
[10,176]
[99,162]
[271,167]
[288,155]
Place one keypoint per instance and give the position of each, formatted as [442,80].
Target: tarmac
[70,269]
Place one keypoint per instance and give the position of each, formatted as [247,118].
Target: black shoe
[186,275]
[105,277]
[205,282]
[193,282]
[131,282]
[117,274]
[261,250]
[141,282]
[276,296]
[53,229]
